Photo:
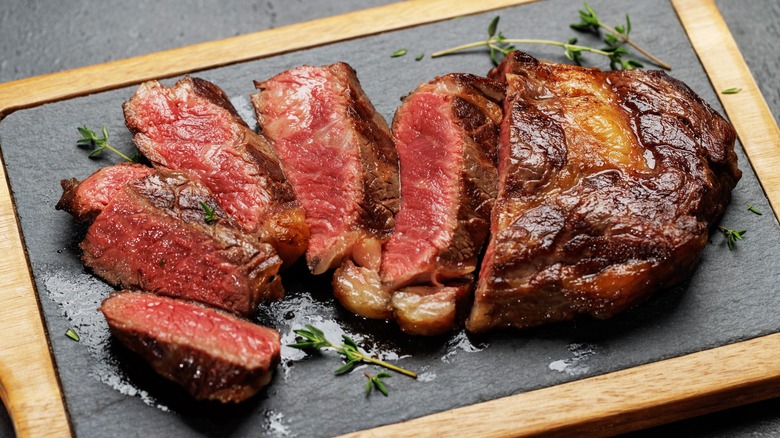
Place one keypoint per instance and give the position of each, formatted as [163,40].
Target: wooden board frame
[613,403]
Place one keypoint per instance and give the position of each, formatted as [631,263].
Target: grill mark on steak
[85,200]
[608,184]
[152,235]
[338,154]
[212,354]
[193,126]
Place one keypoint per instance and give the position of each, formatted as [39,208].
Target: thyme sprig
[615,36]
[497,43]
[313,338]
[732,236]
[754,210]
[376,382]
[90,139]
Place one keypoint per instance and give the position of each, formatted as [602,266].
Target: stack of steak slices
[209,232]
[608,184]
[445,133]
[192,126]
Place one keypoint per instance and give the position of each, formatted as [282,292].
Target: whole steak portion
[608,184]
[193,126]
[212,354]
[155,235]
[338,154]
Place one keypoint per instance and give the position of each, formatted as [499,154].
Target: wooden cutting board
[621,401]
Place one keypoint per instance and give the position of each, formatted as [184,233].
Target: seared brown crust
[475,111]
[381,189]
[608,183]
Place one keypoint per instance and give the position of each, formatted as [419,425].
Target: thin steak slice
[608,184]
[85,200]
[212,354]
[338,154]
[446,134]
[154,235]
[193,126]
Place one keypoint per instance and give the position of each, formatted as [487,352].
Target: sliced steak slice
[212,354]
[193,126]
[446,134]
[85,200]
[608,184]
[338,154]
[153,235]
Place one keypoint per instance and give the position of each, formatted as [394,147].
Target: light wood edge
[618,402]
[33,91]
[28,383]
[748,111]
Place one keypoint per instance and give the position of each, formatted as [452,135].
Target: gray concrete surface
[38,37]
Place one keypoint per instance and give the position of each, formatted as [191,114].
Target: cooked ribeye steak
[193,126]
[212,354]
[608,184]
[155,235]
[446,135]
[338,154]
[86,199]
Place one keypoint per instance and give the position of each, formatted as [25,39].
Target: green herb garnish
[397,53]
[89,138]
[732,236]
[419,57]
[210,217]
[497,43]
[72,334]
[754,210]
[313,338]
[615,37]
[376,382]
[731,91]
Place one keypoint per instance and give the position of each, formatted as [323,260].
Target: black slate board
[731,297]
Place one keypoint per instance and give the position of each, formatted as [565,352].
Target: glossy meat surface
[338,154]
[193,126]
[212,354]
[608,184]
[154,236]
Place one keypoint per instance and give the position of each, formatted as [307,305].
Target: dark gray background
[40,37]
